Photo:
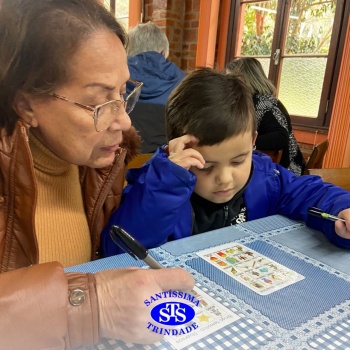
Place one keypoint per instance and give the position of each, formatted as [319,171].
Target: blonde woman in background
[274,125]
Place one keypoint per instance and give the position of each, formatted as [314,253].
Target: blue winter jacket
[159,76]
[156,203]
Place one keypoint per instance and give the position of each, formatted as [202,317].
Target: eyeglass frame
[96,108]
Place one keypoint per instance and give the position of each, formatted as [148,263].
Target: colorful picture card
[254,270]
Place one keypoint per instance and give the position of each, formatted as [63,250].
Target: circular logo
[172,313]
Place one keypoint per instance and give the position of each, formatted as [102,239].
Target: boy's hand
[343,228]
[181,152]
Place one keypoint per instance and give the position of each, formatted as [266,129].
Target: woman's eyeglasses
[105,113]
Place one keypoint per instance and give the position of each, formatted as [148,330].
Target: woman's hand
[121,294]
[181,152]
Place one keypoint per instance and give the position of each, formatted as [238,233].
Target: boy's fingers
[187,162]
[181,143]
[191,153]
[187,158]
[342,229]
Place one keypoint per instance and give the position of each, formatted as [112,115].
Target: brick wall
[179,19]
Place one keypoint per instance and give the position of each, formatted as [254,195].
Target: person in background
[148,49]
[208,177]
[274,124]
[65,138]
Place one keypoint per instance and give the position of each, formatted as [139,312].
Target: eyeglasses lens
[132,98]
[106,115]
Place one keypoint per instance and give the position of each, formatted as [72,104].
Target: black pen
[131,246]
[320,213]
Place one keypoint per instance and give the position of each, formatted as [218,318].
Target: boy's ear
[254,137]
[23,106]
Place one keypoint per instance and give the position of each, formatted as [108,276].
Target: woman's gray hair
[253,73]
[147,37]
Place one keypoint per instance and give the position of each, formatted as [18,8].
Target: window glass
[310,25]
[120,9]
[265,62]
[258,27]
[301,85]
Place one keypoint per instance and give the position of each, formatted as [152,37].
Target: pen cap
[127,242]
[315,211]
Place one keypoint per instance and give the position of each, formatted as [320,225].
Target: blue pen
[321,214]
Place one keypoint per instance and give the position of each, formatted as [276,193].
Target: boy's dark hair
[37,41]
[211,106]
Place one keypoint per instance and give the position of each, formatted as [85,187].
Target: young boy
[208,176]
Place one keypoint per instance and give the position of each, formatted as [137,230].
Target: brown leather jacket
[35,308]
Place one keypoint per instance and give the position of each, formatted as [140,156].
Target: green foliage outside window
[309,29]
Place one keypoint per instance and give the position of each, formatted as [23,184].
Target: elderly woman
[65,139]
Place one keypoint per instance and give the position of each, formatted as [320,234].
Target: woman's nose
[122,120]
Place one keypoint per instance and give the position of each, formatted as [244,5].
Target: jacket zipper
[225,214]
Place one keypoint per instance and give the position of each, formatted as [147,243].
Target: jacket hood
[159,76]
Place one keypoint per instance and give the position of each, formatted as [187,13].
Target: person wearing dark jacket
[208,177]
[148,49]
[274,125]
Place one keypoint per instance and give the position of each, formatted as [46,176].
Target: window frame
[341,18]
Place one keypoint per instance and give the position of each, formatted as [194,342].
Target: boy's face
[227,168]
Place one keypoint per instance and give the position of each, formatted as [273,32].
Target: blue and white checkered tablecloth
[311,314]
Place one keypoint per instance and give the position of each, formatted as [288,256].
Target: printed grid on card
[254,270]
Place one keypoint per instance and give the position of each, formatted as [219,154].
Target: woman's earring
[254,147]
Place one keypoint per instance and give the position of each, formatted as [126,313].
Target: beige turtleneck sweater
[60,222]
